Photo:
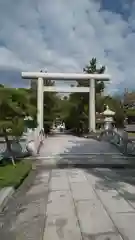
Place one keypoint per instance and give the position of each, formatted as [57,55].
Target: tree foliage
[14,106]
[92,68]
[50,106]
[78,114]
[50,103]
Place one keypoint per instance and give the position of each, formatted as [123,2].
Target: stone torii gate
[39,76]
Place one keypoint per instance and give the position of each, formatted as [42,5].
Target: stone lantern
[108,120]
[27,119]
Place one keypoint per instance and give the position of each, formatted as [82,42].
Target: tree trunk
[8,143]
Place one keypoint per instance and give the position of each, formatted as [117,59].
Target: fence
[121,141]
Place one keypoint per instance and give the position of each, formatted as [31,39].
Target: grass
[131,134]
[14,176]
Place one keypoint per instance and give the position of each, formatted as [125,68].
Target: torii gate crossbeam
[66,76]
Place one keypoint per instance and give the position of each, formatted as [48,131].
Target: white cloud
[64,35]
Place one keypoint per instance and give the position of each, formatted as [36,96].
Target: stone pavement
[72,204]
[74,145]
[69,150]
[85,204]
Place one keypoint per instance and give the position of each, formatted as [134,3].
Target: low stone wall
[18,147]
[35,139]
[27,145]
[120,140]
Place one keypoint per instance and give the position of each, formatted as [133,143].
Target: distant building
[129,99]
[129,104]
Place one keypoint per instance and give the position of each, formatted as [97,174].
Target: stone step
[86,161]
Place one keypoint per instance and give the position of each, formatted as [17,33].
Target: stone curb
[5,194]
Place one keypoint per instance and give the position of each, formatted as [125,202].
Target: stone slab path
[69,144]
[68,149]
[75,204]
[72,204]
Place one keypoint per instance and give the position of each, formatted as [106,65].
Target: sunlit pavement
[97,204]
[74,145]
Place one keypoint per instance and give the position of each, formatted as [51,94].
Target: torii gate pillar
[40,103]
[92,112]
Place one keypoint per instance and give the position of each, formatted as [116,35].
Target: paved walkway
[67,149]
[85,204]
[74,145]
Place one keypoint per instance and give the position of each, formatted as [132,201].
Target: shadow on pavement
[103,160]
[123,181]
[91,153]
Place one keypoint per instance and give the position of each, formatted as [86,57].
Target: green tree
[50,106]
[80,100]
[14,106]
[92,68]
[50,102]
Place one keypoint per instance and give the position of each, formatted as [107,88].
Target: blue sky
[63,35]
